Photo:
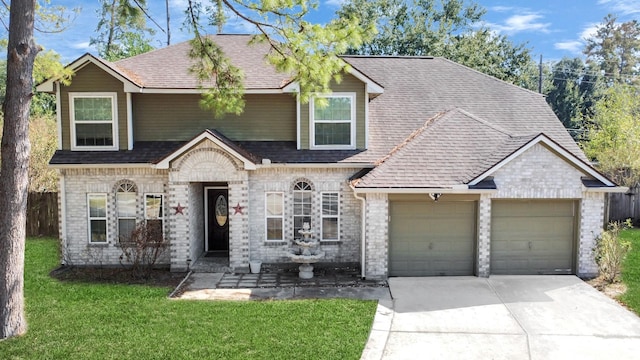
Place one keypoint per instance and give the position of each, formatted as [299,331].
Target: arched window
[302,195]
[126,195]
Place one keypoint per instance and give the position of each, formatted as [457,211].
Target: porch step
[211,265]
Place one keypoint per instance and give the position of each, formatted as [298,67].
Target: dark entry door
[218,221]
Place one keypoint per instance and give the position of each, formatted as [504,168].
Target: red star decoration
[238,209]
[179,209]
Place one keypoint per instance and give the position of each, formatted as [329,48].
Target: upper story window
[333,126]
[94,121]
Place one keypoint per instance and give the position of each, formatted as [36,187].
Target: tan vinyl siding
[266,117]
[93,79]
[349,84]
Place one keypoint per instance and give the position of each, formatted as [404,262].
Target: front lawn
[108,321]
[631,270]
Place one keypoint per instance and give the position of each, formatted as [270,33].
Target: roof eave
[129,84]
[165,162]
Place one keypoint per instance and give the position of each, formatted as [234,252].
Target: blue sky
[552,28]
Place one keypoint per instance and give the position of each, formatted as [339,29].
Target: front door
[217,221]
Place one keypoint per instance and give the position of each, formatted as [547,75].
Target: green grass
[631,270]
[106,321]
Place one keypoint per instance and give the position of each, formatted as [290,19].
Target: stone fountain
[306,253]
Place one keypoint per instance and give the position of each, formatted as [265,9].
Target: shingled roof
[418,88]
[168,68]
[437,123]
[450,149]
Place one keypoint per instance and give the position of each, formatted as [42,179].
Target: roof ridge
[412,136]
[484,122]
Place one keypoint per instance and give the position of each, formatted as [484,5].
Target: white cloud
[81,46]
[624,7]
[589,31]
[571,46]
[335,3]
[522,22]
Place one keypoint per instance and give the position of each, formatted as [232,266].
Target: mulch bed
[118,275]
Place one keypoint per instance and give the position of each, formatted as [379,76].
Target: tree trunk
[21,53]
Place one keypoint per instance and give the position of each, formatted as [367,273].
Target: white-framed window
[154,212]
[330,216]
[126,195]
[302,195]
[97,218]
[333,126]
[274,216]
[94,121]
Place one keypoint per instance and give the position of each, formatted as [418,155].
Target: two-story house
[417,166]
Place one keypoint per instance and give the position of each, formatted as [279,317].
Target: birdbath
[306,252]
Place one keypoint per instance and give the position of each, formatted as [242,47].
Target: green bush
[610,251]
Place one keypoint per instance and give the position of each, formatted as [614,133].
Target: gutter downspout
[363,201]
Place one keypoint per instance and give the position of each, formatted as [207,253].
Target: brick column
[483,262]
[239,225]
[591,225]
[178,199]
[377,236]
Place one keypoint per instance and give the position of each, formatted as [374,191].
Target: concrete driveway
[503,317]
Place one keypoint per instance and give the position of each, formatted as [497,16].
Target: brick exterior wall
[183,185]
[536,174]
[80,182]
[347,249]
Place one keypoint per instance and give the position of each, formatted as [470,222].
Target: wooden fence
[42,214]
[623,206]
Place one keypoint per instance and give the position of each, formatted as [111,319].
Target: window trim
[267,216]
[323,216]
[312,122]
[114,120]
[90,218]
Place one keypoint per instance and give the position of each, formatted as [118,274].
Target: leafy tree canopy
[122,29]
[615,48]
[447,28]
[614,134]
[306,51]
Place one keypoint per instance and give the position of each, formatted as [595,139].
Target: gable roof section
[457,150]
[130,80]
[556,148]
[443,153]
[148,72]
[248,160]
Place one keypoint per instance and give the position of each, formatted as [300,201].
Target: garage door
[532,237]
[431,239]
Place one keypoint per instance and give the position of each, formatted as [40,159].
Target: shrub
[143,249]
[610,251]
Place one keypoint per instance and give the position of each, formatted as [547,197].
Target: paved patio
[280,285]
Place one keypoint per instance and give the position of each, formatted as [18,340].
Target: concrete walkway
[279,286]
[503,317]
